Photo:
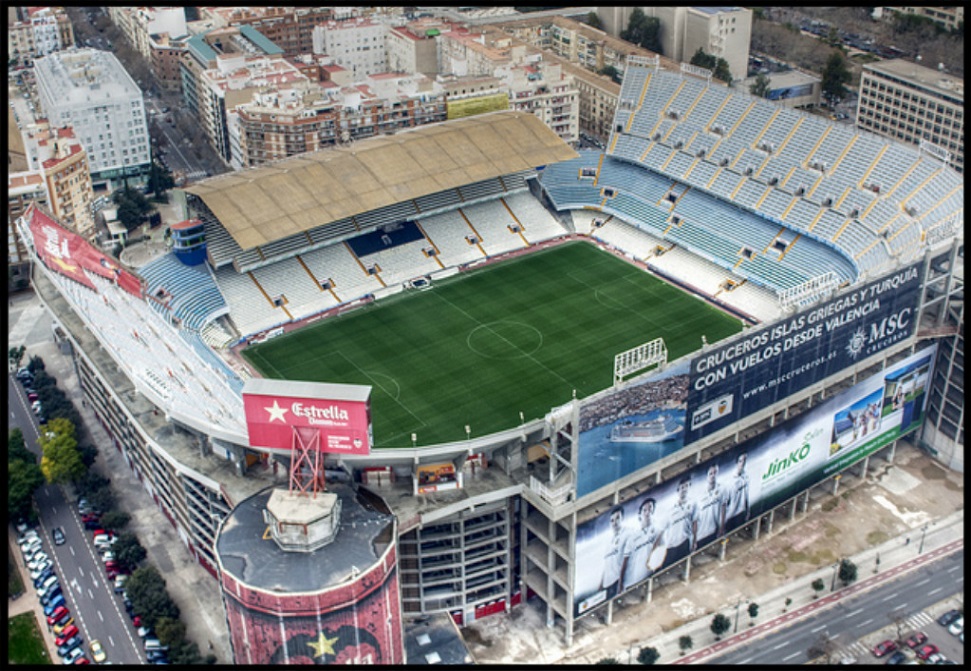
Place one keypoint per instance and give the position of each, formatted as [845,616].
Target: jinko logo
[779,466]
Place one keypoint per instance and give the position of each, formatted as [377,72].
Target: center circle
[504,340]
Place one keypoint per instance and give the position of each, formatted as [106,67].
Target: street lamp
[738,604]
[832,587]
[923,532]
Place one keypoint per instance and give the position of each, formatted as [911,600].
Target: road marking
[781,645]
[923,582]
[81,570]
[954,568]
[961,579]
[855,612]
[90,595]
[746,660]
[892,596]
[100,616]
[819,628]
[795,654]
[934,591]
[111,642]
[867,622]
[72,554]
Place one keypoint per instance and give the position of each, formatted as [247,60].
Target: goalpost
[639,358]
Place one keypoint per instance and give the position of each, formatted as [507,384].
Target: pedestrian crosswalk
[195,174]
[911,623]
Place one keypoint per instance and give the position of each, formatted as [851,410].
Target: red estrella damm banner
[342,420]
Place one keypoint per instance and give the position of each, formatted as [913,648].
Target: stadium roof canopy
[260,205]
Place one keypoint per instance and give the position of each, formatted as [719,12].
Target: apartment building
[63,162]
[546,91]
[308,116]
[290,28]
[357,44]
[91,92]
[165,59]
[721,31]
[202,50]
[912,103]
[145,22]
[42,31]
[949,17]
[22,189]
[413,47]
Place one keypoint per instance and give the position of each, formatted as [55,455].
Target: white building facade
[90,91]
[356,44]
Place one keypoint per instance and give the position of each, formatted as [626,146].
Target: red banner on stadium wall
[70,255]
[340,413]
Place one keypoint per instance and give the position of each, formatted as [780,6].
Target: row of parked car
[925,651]
[59,618]
[104,542]
[26,378]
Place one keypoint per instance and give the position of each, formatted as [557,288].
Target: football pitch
[482,347]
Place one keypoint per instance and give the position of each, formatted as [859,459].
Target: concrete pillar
[687,570]
[866,465]
[892,452]
[792,511]
[650,588]
[771,518]
[758,529]
[721,555]
[836,484]
[610,612]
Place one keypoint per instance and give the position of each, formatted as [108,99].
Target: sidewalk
[896,556]
[28,601]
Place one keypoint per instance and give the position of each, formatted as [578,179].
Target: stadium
[548,335]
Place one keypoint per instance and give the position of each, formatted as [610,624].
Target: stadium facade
[843,253]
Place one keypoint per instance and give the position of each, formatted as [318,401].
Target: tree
[115,520]
[91,482]
[132,207]
[761,86]
[719,625]
[718,66]
[643,31]
[607,660]
[61,460]
[753,611]
[648,656]
[787,604]
[685,643]
[102,499]
[129,551]
[593,20]
[160,180]
[835,77]
[34,365]
[611,72]
[170,631]
[16,355]
[149,598]
[23,479]
[847,572]
[818,586]
[17,448]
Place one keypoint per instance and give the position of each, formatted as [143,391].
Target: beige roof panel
[260,205]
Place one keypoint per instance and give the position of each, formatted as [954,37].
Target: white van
[154,644]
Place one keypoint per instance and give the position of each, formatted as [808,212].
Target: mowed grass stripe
[483,346]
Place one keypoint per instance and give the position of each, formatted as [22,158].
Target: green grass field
[483,346]
[25,645]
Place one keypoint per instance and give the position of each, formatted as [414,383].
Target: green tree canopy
[753,610]
[847,572]
[17,448]
[685,642]
[23,479]
[593,20]
[720,624]
[60,460]
[149,598]
[835,77]
[129,551]
[718,66]
[648,656]
[643,30]
[761,86]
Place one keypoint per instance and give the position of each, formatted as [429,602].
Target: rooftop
[260,205]
[941,82]
[258,561]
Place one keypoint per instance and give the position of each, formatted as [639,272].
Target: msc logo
[888,327]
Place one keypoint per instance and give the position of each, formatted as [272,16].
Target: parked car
[36,560]
[926,650]
[108,557]
[938,658]
[66,635]
[884,647]
[74,655]
[59,626]
[58,534]
[69,645]
[918,638]
[957,626]
[51,595]
[39,571]
[947,618]
[58,613]
[897,658]
[57,602]
[120,581]
[46,585]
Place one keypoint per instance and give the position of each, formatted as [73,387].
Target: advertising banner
[626,429]
[623,546]
[71,255]
[768,364]
[338,414]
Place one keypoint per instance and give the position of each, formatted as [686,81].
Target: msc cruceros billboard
[340,414]
[765,365]
[624,545]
